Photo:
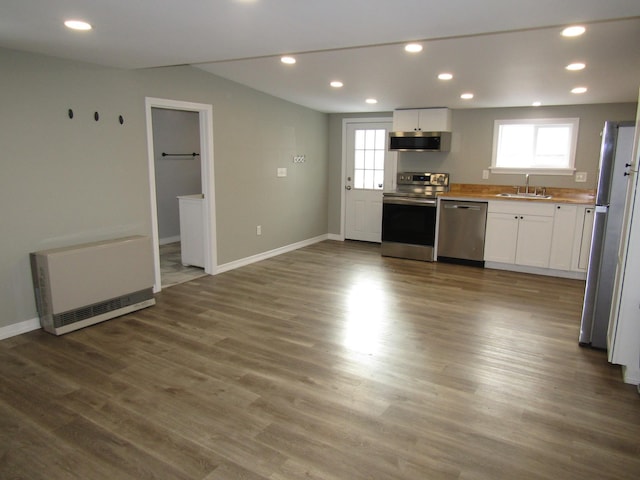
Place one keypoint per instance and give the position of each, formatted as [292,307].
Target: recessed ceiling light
[445,76]
[575,66]
[336,84]
[466,96]
[579,90]
[371,101]
[413,47]
[536,104]
[288,60]
[77,25]
[573,31]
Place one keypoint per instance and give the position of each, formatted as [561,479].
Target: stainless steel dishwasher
[461,232]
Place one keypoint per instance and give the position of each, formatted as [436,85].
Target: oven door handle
[429,202]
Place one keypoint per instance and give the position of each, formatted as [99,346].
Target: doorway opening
[195,167]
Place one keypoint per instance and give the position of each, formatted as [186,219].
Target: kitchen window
[369,159]
[543,146]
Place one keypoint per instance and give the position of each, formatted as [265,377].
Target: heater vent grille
[90,311]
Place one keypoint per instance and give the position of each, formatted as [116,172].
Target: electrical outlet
[259,230]
[581,176]
[485,174]
[282,172]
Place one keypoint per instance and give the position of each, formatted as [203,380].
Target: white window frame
[569,170]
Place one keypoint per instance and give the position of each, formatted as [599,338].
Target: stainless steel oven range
[409,215]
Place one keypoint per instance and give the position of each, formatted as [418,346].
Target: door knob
[348,187]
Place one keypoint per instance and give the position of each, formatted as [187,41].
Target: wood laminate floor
[329,362]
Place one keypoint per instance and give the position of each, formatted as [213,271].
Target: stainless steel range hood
[419,141]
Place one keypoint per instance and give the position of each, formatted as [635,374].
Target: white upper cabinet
[422,120]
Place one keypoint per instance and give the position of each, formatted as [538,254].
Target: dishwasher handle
[464,207]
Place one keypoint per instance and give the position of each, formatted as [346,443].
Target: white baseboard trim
[335,236]
[225,267]
[549,272]
[19,328]
[165,241]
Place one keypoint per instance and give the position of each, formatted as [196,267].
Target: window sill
[533,171]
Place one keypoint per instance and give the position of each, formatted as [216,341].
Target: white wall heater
[85,284]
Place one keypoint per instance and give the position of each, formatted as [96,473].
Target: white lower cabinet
[501,237]
[519,233]
[534,240]
[550,237]
[191,230]
[562,243]
[583,245]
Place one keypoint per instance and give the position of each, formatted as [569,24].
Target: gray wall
[68,181]
[174,131]
[472,143]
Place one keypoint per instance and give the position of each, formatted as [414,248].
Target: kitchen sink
[532,196]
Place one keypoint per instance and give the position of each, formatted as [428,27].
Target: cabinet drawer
[522,208]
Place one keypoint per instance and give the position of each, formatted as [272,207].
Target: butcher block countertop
[469,191]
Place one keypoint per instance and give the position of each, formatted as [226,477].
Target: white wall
[67,181]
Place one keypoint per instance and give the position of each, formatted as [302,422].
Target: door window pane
[369,159]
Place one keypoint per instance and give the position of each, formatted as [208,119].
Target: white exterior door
[366,155]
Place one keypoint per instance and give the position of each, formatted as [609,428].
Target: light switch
[282,172]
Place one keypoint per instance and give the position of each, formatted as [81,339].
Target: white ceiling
[508,53]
